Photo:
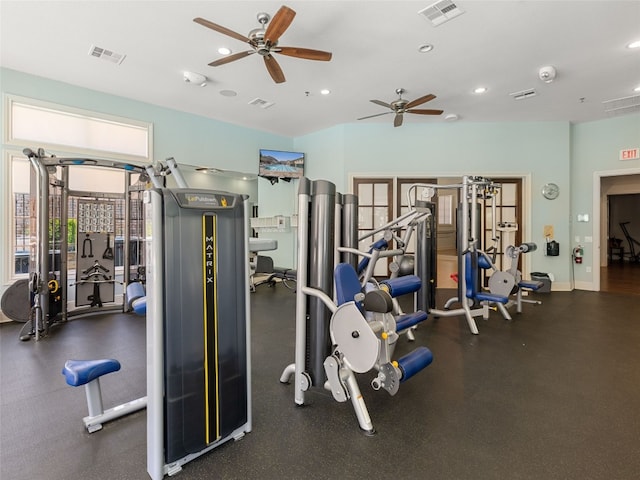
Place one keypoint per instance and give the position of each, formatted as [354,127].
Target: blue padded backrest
[484,262]
[347,283]
[378,245]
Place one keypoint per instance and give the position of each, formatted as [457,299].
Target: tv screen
[279,164]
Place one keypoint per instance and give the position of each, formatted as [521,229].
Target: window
[65,131]
[445,209]
[375,209]
[32,123]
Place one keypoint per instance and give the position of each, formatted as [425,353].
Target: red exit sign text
[630,154]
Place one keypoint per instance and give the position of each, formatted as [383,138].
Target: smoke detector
[547,74]
[195,78]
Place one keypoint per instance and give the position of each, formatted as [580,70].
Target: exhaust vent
[621,106]
[107,55]
[259,102]
[524,94]
[441,12]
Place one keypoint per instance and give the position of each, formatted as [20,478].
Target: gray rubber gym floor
[554,394]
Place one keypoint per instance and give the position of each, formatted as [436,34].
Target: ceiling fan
[264,41]
[402,106]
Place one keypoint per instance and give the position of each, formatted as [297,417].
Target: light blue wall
[544,151]
[538,150]
[190,139]
[595,147]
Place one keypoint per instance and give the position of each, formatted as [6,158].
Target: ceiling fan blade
[279,24]
[304,53]
[274,69]
[231,58]
[425,111]
[381,103]
[398,120]
[376,115]
[421,100]
[220,29]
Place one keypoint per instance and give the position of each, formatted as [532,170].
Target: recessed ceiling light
[635,44]
[224,51]
[427,47]
[325,91]
[228,93]
[451,117]
[480,90]
[637,89]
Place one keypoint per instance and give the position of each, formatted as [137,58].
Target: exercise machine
[95,257]
[633,256]
[198,324]
[472,299]
[343,331]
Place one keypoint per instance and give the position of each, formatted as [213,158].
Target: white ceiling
[497,44]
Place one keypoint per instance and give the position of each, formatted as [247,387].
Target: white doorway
[613,182]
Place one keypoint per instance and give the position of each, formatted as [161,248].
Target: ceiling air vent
[620,106]
[441,12]
[259,102]
[107,55]
[524,94]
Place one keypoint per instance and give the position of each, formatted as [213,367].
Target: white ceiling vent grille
[441,12]
[107,55]
[259,102]
[621,106]
[531,92]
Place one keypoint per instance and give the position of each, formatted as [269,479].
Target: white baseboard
[584,286]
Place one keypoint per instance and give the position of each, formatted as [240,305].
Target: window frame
[62,149]
[13,147]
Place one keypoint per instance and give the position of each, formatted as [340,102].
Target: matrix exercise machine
[198,324]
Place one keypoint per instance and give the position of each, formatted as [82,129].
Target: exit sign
[630,154]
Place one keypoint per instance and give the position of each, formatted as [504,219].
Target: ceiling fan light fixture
[425,48]
[264,42]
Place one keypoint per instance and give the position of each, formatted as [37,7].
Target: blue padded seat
[381,244]
[347,283]
[139,305]
[79,372]
[471,280]
[135,290]
[530,285]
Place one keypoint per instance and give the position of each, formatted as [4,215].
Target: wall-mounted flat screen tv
[277,164]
